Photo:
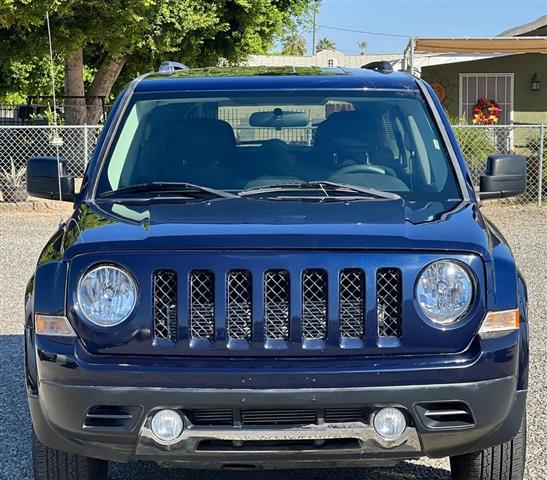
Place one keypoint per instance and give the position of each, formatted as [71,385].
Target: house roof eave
[540,22]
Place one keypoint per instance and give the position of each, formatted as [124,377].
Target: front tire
[502,462]
[51,464]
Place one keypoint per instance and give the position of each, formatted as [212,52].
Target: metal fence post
[86,153]
[541,153]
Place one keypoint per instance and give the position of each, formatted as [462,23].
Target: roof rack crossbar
[382,66]
[168,67]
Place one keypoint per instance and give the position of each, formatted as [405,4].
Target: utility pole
[412,48]
[314,30]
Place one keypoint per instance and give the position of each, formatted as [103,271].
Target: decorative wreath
[486,112]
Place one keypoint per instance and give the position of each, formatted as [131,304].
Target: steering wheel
[361,168]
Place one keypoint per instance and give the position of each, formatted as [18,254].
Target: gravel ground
[22,235]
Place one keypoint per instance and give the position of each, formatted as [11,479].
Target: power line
[364,31]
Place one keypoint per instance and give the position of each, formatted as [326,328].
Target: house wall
[529,107]
[320,59]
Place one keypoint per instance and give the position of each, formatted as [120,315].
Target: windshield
[238,141]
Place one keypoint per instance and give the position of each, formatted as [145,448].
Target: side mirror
[43,179]
[505,176]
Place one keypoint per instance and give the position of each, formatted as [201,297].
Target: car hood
[238,224]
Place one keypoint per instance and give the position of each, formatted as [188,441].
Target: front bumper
[59,411]
[65,383]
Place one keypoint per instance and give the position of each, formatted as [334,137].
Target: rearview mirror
[43,179]
[278,119]
[505,176]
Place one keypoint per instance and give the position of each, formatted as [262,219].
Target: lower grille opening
[278,417]
[300,416]
[111,417]
[338,415]
[283,445]
[442,415]
[211,417]
[239,466]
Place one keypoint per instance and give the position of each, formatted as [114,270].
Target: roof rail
[168,68]
[382,66]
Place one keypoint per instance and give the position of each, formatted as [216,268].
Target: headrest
[345,124]
[205,141]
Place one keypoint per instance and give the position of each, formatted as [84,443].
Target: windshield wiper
[168,187]
[323,185]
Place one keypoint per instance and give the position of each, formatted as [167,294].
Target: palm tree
[325,44]
[294,44]
[362,46]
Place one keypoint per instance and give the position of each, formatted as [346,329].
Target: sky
[422,18]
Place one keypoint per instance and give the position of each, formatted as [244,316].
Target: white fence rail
[18,143]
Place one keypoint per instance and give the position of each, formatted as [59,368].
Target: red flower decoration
[486,112]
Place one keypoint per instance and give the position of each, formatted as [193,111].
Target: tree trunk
[101,86]
[75,108]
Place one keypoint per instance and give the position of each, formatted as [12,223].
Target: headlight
[444,291]
[107,295]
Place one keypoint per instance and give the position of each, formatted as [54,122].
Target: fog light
[167,426]
[389,423]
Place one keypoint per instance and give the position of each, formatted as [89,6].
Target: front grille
[299,416]
[165,304]
[239,304]
[276,304]
[314,304]
[202,306]
[388,302]
[274,297]
[352,304]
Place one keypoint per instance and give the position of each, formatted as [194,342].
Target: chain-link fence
[17,144]
[477,142]
[76,144]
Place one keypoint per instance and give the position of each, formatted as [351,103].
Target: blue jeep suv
[277,268]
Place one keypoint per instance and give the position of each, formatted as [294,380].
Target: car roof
[275,78]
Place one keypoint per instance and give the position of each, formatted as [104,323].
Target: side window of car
[430,163]
[119,158]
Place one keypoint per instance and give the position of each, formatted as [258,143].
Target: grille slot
[349,414]
[445,415]
[202,304]
[165,304]
[276,304]
[352,298]
[314,304]
[110,417]
[388,302]
[277,445]
[239,304]
[211,417]
[278,417]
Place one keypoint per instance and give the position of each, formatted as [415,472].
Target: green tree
[31,77]
[118,39]
[325,44]
[363,45]
[294,44]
